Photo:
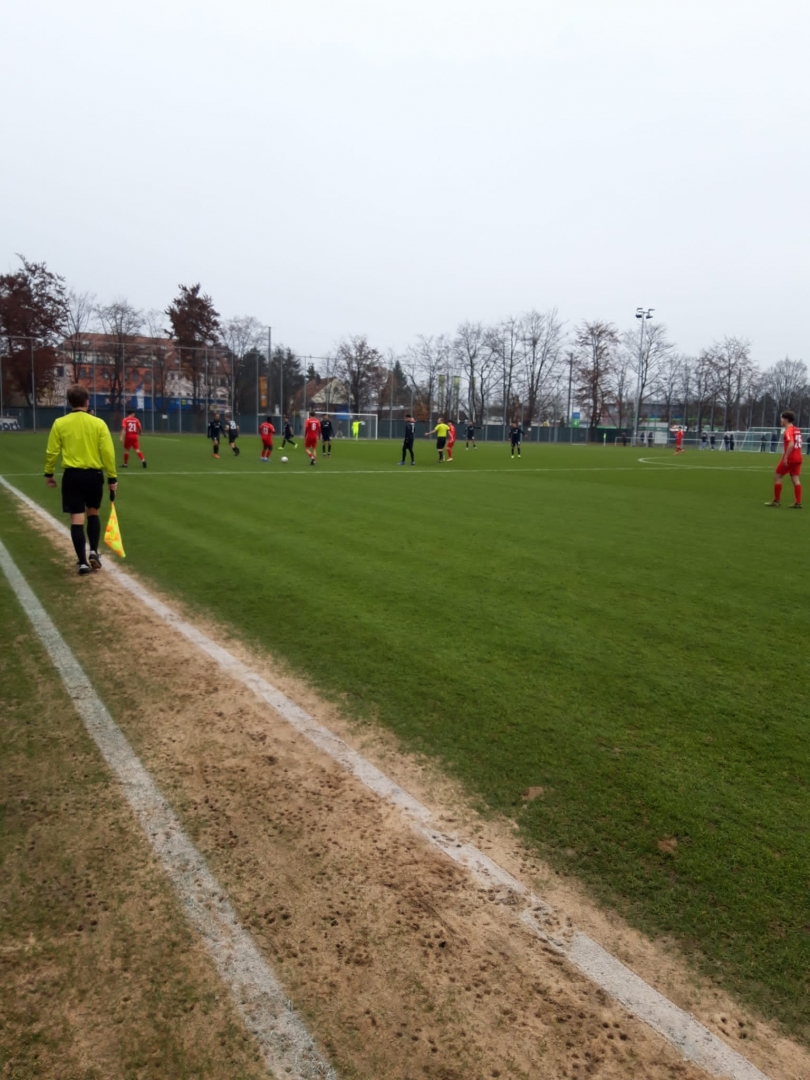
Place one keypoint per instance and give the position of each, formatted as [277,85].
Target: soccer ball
[285,460]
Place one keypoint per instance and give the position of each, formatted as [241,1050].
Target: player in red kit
[266,432]
[790,462]
[130,437]
[312,432]
[451,440]
[679,441]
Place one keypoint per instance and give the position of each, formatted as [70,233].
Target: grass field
[627,635]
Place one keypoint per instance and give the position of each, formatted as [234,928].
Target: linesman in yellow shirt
[86,446]
[440,431]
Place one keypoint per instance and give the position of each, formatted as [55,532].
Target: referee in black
[407,443]
[86,446]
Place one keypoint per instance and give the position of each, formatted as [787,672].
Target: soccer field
[621,629]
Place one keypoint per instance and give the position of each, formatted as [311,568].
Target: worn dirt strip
[287,1047]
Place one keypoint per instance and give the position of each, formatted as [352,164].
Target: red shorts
[310,444]
[792,467]
[132,442]
[267,444]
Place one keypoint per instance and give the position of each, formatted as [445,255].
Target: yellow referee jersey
[441,430]
[84,442]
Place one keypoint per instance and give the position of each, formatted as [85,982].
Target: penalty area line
[691,1038]
[287,1047]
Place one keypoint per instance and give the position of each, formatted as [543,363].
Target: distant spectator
[704,439]
[774,440]
[712,441]
[762,443]
[725,440]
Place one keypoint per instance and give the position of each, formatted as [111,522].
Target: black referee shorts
[82,489]
[440,443]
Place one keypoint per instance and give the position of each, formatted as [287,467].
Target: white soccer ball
[285,460]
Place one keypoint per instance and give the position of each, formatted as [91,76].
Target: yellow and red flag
[112,534]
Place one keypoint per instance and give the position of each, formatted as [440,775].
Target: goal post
[354,425]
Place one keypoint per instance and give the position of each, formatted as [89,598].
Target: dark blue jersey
[515,432]
[326,430]
[410,430]
[215,430]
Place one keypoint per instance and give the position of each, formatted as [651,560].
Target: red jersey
[131,425]
[678,438]
[312,429]
[794,435]
[451,435]
[266,430]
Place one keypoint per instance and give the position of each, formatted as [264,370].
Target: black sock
[79,543]
[93,531]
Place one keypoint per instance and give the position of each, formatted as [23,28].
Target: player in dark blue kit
[407,443]
[215,429]
[470,437]
[288,434]
[515,435]
[326,436]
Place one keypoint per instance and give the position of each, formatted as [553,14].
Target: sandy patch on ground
[401,965]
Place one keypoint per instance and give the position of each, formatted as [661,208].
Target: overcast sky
[393,168]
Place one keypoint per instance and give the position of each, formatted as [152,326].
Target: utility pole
[643,314]
[570,387]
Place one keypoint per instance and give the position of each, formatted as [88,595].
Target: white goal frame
[342,424]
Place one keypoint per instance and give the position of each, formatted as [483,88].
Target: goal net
[354,425]
[761,439]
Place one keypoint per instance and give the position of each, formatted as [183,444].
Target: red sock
[126,456]
[140,454]
[797,492]
[777,491]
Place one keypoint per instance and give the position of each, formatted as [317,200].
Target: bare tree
[668,382]
[477,362]
[161,354]
[424,364]
[786,381]
[80,318]
[595,344]
[622,391]
[542,336]
[704,388]
[505,343]
[731,359]
[240,336]
[122,324]
[360,366]
[647,358]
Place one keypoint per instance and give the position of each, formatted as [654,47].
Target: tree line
[529,367]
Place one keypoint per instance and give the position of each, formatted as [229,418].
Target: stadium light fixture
[643,314]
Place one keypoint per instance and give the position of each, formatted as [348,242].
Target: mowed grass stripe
[627,640]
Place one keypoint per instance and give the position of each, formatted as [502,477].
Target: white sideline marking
[694,1041]
[286,1045]
[659,464]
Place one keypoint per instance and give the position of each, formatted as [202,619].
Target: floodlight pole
[643,314]
[269,365]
